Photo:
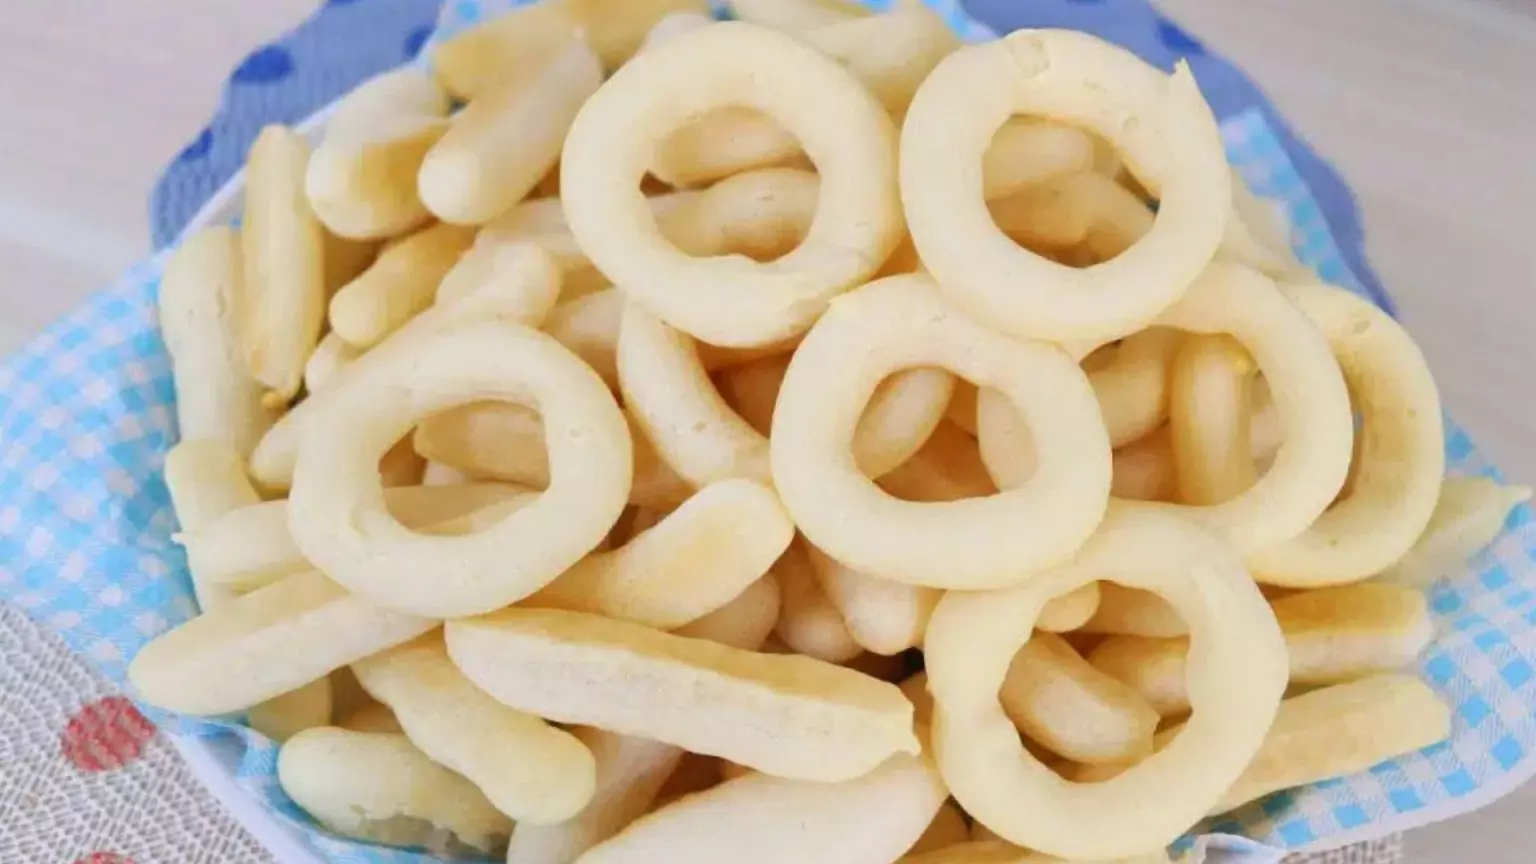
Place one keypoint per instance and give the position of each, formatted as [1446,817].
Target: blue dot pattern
[86,416]
[264,66]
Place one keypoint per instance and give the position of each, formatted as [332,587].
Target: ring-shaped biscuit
[336,508]
[989,542]
[1307,387]
[1401,460]
[1308,390]
[1161,125]
[1237,672]
[846,133]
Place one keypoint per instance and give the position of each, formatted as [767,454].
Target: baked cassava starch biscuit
[378,787]
[265,644]
[1470,513]
[901,322]
[216,397]
[857,224]
[361,180]
[1210,408]
[336,512]
[1160,125]
[783,715]
[506,441]
[809,623]
[506,139]
[280,306]
[1401,461]
[523,295]
[631,772]
[398,286]
[206,480]
[530,770]
[697,559]
[1072,709]
[869,819]
[881,615]
[1331,635]
[1238,674]
[1329,732]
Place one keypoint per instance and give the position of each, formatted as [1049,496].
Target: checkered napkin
[85,420]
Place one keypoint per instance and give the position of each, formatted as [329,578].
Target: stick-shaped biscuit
[264,644]
[529,770]
[788,716]
[632,771]
[758,819]
[216,397]
[361,180]
[696,560]
[507,139]
[883,616]
[507,441]
[379,788]
[808,622]
[1210,408]
[1324,734]
[399,286]
[1331,635]
[206,481]
[1470,513]
[281,302]
[1073,709]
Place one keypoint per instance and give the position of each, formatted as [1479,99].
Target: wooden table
[1426,105]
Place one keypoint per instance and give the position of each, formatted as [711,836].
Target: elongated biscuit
[378,787]
[808,621]
[529,770]
[1470,513]
[1331,635]
[216,397]
[280,306]
[883,616]
[507,139]
[506,441]
[758,819]
[632,771]
[264,644]
[1340,730]
[206,480]
[400,285]
[1000,852]
[1073,709]
[787,716]
[696,560]
[1324,734]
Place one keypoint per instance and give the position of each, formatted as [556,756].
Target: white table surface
[1428,107]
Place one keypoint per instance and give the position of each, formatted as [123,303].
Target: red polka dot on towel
[104,858]
[105,735]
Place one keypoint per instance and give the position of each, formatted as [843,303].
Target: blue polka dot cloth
[86,417]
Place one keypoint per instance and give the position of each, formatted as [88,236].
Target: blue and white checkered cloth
[86,418]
